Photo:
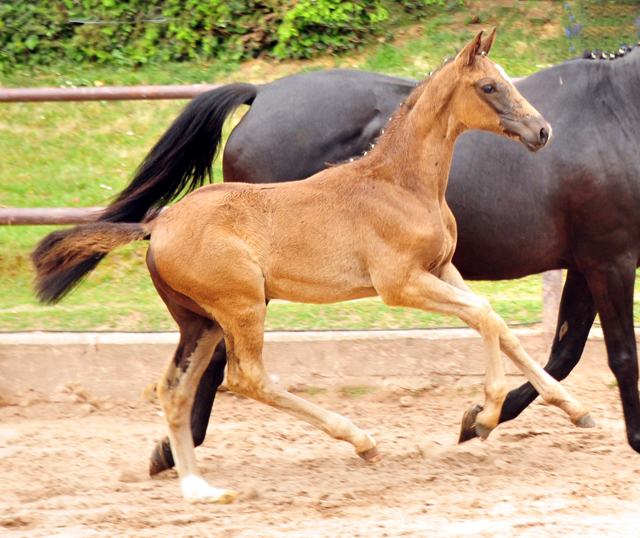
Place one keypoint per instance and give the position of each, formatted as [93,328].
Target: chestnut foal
[377,226]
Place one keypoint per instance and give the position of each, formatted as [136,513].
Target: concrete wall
[121,365]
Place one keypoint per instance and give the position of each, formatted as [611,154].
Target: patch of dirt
[260,71]
[405,34]
[68,472]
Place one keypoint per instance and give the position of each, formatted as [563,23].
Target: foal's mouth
[533,131]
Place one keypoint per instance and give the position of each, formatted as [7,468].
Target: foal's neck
[418,147]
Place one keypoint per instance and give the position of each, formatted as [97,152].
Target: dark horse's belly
[506,228]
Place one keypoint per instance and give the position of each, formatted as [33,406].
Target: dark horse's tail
[180,162]
[63,251]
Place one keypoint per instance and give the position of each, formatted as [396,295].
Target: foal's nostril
[544,136]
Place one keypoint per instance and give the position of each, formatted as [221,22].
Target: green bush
[140,31]
[326,25]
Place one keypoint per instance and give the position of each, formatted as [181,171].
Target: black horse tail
[65,257]
[181,160]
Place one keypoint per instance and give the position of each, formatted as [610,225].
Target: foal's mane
[399,115]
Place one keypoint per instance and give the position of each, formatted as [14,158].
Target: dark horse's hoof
[161,458]
[468,427]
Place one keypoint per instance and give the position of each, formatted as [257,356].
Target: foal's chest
[434,239]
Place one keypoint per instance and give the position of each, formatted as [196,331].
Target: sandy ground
[75,466]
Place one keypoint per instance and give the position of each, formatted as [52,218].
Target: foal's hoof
[585,421]
[196,490]
[468,427]
[371,456]
[161,458]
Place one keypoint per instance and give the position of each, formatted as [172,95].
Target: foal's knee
[496,390]
[487,321]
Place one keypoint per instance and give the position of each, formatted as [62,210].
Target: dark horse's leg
[612,287]
[575,318]
[161,458]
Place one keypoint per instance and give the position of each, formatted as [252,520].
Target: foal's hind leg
[244,334]
[176,392]
[162,458]
[199,336]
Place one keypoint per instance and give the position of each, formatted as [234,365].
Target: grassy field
[81,154]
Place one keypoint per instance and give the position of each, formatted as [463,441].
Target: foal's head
[490,102]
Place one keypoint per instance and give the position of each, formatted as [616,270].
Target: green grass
[530,36]
[119,295]
[357,392]
[81,154]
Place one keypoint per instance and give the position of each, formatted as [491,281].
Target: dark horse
[573,206]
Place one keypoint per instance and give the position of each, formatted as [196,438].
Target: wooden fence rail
[105,93]
[14,216]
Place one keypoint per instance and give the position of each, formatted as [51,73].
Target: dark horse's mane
[596,54]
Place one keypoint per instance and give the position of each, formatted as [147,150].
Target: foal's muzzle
[533,131]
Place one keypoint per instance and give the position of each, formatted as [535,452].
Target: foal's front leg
[427,292]
[550,390]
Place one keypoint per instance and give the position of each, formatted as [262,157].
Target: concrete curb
[44,338]
[120,365]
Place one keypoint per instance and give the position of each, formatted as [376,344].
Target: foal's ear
[468,54]
[485,44]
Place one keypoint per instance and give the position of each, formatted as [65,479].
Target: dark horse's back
[301,123]
[576,202]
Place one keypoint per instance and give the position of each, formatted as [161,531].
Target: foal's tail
[65,257]
[179,163]
[181,160]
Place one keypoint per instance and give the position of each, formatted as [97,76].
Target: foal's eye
[488,88]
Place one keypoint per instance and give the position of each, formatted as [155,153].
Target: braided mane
[605,55]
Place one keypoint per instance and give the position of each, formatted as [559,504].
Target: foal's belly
[318,288]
